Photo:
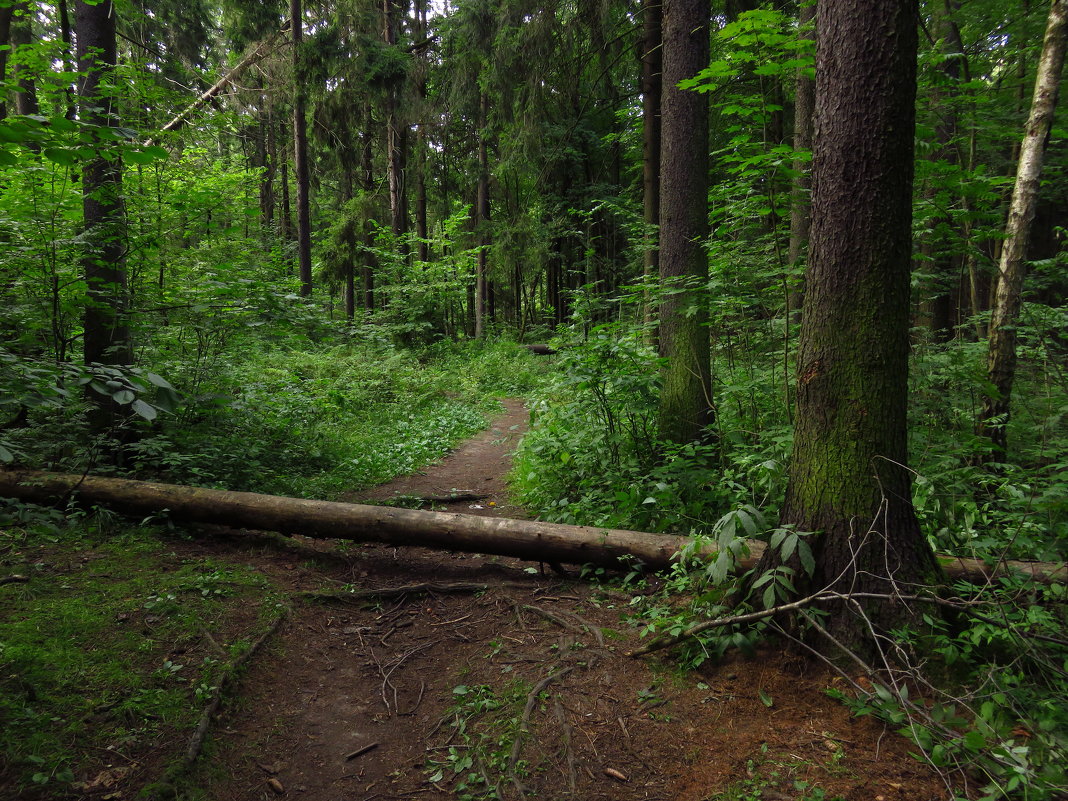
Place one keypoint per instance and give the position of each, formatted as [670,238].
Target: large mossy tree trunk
[686,396]
[848,478]
[107,336]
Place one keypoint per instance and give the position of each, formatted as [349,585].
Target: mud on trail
[488,674]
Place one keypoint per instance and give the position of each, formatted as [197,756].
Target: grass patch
[110,648]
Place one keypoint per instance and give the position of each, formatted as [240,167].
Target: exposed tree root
[396,592]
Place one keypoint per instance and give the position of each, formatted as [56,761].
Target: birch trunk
[1001,351]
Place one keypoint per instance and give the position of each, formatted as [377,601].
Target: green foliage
[486,725]
[997,709]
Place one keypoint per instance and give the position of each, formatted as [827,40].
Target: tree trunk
[939,244]
[420,137]
[800,217]
[107,336]
[287,211]
[395,140]
[686,396]
[1001,354]
[651,53]
[526,539]
[22,37]
[369,264]
[482,216]
[267,195]
[6,13]
[848,480]
[300,152]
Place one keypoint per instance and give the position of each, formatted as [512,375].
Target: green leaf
[804,553]
[61,156]
[768,68]
[766,699]
[138,157]
[6,455]
[158,381]
[144,410]
[7,159]
[123,396]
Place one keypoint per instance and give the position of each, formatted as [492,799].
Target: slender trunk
[68,49]
[368,269]
[939,244]
[22,37]
[420,139]
[6,13]
[396,139]
[270,167]
[300,152]
[482,216]
[800,217]
[686,394]
[652,17]
[287,212]
[1001,354]
[107,336]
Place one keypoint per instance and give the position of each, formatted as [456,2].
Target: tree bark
[300,152]
[800,216]
[1001,352]
[6,13]
[686,395]
[420,149]
[848,479]
[370,261]
[22,37]
[526,539]
[652,65]
[482,216]
[107,336]
[396,139]
[287,211]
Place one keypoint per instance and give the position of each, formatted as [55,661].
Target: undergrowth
[305,419]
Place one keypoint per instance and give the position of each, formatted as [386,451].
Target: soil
[418,693]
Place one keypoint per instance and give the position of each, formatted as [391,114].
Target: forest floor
[438,695]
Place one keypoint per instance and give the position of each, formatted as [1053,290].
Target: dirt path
[477,468]
[431,695]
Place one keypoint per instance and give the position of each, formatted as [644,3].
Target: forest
[780,289]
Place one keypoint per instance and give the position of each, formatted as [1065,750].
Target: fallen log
[525,539]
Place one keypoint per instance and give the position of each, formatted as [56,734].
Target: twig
[359,752]
[666,641]
[196,742]
[14,578]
